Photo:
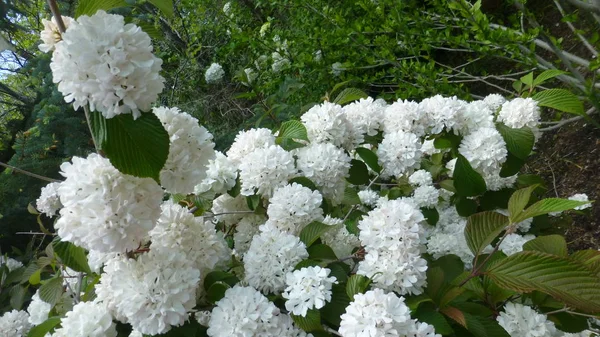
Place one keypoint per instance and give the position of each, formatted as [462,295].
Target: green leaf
[561,100]
[136,147]
[589,258]
[466,207]
[569,323]
[546,75]
[491,200]
[467,182]
[348,95]
[52,290]
[17,296]
[72,256]
[519,199]
[165,6]
[35,278]
[218,275]
[519,142]
[436,319]
[236,189]
[350,196]
[321,252]
[357,284]
[312,232]
[551,244]
[339,270]
[432,216]
[45,327]
[546,206]
[528,79]
[151,30]
[447,141]
[253,202]
[370,158]
[511,166]
[359,173]
[90,7]
[557,276]
[292,129]
[306,263]
[311,322]
[332,311]
[217,291]
[482,228]
[448,185]
[304,182]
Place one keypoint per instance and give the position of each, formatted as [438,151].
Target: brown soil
[569,161]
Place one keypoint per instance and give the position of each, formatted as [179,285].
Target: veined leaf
[519,142]
[165,6]
[72,256]
[550,244]
[45,327]
[370,158]
[589,258]
[482,228]
[293,129]
[357,284]
[546,206]
[467,181]
[90,7]
[52,290]
[519,199]
[348,95]
[560,99]
[572,283]
[311,322]
[312,232]
[528,79]
[304,182]
[546,75]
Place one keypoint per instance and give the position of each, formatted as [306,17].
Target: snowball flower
[307,288]
[104,209]
[242,312]
[248,141]
[190,150]
[485,150]
[522,321]
[581,197]
[270,257]
[87,319]
[103,62]
[292,207]
[426,196]
[214,73]
[49,202]
[327,166]
[475,115]
[494,101]
[513,243]
[399,153]
[327,123]
[51,34]
[10,263]
[177,230]
[376,314]
[220,175]
[520,112]
[407,116]
[364,117]
[228,204]
[368,197]
[245,231]
[339,239]
[14,323]
[152,293]
[265,169]
[442,112]
[38,309]
[420,178]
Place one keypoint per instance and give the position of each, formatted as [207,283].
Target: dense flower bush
[368,219]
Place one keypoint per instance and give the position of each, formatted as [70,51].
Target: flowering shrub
[368,219]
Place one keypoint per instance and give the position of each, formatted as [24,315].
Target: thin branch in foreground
[27,173]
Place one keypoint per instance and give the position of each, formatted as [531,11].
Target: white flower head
[368,197]
[307,288]
[203,317]
[51,34]
[327,166]
[339,239]
[520,112]
[88,319]
[152,293]
[227,204]
[513,243]
[14,323]
[246,228]
[265,169]
[522,321]
[10,263]
[103,62]
[292,207]
[376,314]
[189,153]
[426,196]
[407,116]
[214,73]
[248,141]
[442,112]
[104,209]
[279,62]
[420,178]
[38,309]
[270,257]
[581,197]
[220,175]
[485,150]
[327,123]
[475,115]
[494,102]
[49,202]
[364,117]
[399,153]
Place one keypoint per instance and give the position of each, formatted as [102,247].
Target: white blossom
[10,263]
[327,123]
[406,116]
[265,169]
[279,62]
[399,153]
[248,141]
[364,117]
[104,209]
[581,197]
[522,321]
[485,150]
[368,197]
[51,34]
[442,112]
[220,175]
[420,178]
[292,207]
[103,62]
[14,323]
[49,201]
[38,309]
[87,319]
[513,243]
[214,73]
[236,207]
[520,112]
[339,239]
[307,288]
[246,228]
[426,196]
[494,102]
[190,150]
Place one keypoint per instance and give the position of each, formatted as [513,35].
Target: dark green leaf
[236,189]
[482,228]
[17,296]
[359,173]
[217,291]
[370,158]
[467,181]
[339,270]
[311,322]
[561,100]
[511,166]
[448,185]
[165,6]
[357,284]
[72,256]
[348,95]
[519,142]
[546,206]
[332,311]
[218,275]
[569,323]
[551,244]
[45,327]
[90,7]
[466,207]
[590,258]
[350,196]
[312,232]
[431,215]
[52,290]
[436,319]
[306,263]
[321,252]
[304,182]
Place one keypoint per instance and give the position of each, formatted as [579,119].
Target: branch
[567,121]
[27,173]
[585,6]
[585,42]
[56,13]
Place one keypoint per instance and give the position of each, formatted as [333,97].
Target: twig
[368,186]
[560,124]
[16,169]
[585,42]
[56,13]
[586,6]
[33,233]
[224,213]
[86,111]
[553,179]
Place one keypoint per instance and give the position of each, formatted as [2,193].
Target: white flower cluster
[103,62]
[14,323]
[49,202]
[88,319]
[521,320]
[307,288]
[38,309]
[10,263]
[189,153]
[214,73]
[292,207]
[51,34]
